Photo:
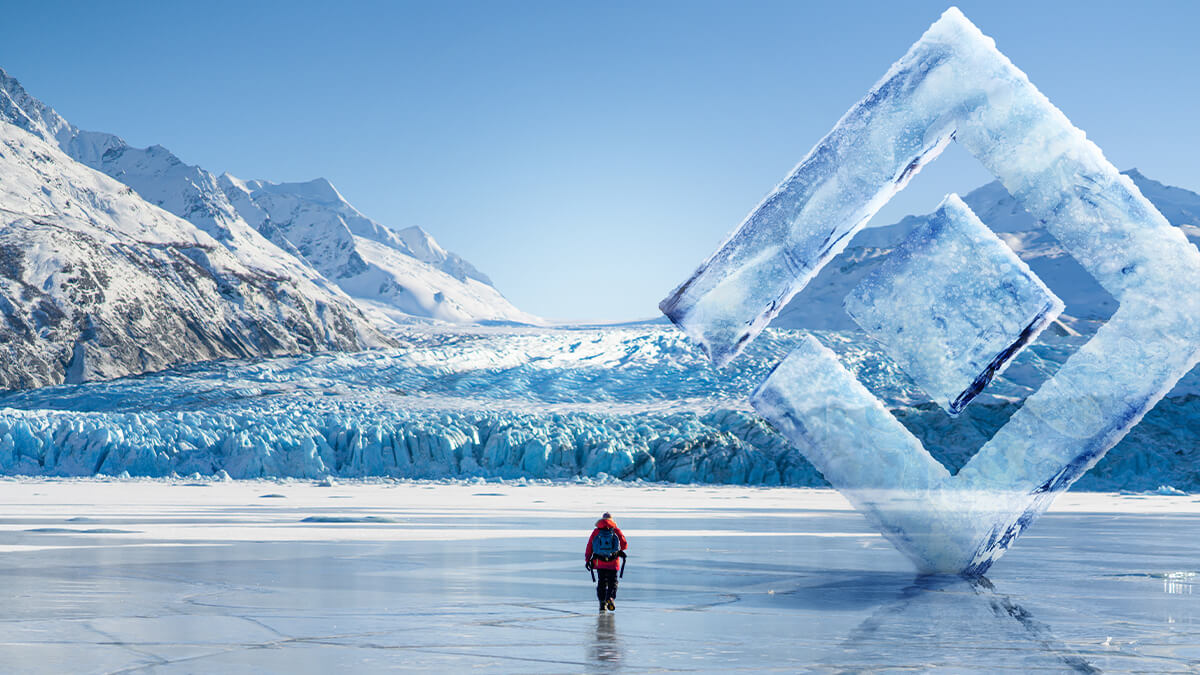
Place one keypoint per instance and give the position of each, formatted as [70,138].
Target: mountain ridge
[451,289]
[96,283]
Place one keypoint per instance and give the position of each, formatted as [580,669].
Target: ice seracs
[516,403]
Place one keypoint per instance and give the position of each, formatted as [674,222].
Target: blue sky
[586,155]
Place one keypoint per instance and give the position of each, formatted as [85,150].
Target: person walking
[605,550]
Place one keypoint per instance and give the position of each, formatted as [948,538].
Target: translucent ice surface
[954,83]
[953,305]
[260,577]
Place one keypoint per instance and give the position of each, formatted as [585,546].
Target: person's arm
[621,536]
[587,554]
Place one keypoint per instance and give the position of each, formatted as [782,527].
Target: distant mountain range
[117,260]
[819,305]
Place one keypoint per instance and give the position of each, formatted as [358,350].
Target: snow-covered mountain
[819,305]
[395,275]
[304,230]
[96,283]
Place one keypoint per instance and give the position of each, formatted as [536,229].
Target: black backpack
[606,545]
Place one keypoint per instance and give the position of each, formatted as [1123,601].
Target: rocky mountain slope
[305,230]
[96,283]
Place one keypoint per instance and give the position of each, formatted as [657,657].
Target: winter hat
[606,516]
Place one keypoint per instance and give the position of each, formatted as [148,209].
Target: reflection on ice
[948,622]
[454,578]
[1173,583]
[606,649]
[1178,583]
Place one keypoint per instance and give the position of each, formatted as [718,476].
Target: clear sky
[586,155]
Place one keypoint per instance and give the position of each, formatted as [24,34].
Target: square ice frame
[952,305]
[954,84]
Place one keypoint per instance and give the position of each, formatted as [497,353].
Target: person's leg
[610,588]
[601,588]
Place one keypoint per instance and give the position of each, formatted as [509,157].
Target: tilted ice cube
[952,305]
[953,82]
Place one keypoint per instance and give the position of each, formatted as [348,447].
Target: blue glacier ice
[564,405]
[953,83]
[952,305]
[561,405]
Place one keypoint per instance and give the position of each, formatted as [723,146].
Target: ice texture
[209,577]
[562,404]
[952,305]
[953,82]
[865,452]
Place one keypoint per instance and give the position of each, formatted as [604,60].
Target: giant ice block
[952,305]
[953,83]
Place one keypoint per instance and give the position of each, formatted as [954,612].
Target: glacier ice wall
[353,441]
[629,403]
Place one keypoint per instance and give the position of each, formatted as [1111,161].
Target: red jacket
[605,564]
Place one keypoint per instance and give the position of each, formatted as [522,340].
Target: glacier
[638,403]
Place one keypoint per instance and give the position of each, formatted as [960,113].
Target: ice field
[632,403]
[279,576]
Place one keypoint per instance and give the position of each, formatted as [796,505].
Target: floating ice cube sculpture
[954,84]
[952,305]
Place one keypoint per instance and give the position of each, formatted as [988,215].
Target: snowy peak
[96,283]
[159,176]
[304,229]
[101,281]
[318,190]
[325,244]
[20,109]
[319,200]
[397,275]
[1181,207]
[423,247]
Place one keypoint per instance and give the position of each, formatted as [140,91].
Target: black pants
[606,584]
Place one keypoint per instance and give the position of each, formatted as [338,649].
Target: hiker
[605,550]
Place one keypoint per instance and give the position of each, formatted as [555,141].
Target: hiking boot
[602,608]
[611,605]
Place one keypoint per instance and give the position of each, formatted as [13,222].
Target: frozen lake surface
[292,577]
